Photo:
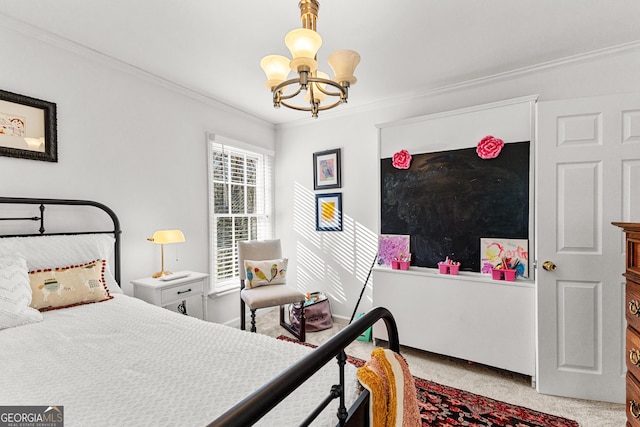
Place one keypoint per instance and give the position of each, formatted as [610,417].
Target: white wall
[127,141]
[313,258]
[132,143]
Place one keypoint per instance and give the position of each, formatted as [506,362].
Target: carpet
[444,406]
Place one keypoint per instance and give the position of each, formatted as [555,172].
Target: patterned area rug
[444,406]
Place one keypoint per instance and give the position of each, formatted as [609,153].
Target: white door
[588,175]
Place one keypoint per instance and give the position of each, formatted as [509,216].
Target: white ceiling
[408,47]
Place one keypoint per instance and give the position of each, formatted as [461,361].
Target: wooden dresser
[632,274]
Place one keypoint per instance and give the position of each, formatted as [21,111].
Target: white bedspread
[124,362]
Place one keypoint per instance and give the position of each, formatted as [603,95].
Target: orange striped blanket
[393,401]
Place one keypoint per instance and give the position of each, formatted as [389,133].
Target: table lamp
[162,237]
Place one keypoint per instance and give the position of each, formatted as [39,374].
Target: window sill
[220,292]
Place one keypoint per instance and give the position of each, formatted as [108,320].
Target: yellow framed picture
[329,212]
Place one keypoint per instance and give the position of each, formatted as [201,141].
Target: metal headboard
[42,232]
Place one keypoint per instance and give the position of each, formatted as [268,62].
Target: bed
[121,361]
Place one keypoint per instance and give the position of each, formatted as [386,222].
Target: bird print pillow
[265,272]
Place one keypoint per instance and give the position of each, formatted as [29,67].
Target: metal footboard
[259,403]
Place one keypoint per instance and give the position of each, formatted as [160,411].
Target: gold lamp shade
[163,237]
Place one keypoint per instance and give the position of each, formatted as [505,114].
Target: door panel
[578,215]
[588,175]
[578,326]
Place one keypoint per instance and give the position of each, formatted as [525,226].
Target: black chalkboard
[446,201]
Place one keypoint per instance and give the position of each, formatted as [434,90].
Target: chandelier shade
[277,69]
[318,89]
[344,63]
[303,45]
[311,86]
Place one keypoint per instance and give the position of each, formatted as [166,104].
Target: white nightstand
[164,292]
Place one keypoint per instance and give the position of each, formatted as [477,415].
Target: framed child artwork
[495,252]
[326,169]
[391,247]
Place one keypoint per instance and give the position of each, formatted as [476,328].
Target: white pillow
[15,292]
[45,252]
[265,272]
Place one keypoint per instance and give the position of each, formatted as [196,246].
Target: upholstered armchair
[263,283]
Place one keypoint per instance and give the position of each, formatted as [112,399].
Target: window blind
[240,205]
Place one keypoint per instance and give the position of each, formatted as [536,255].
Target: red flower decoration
[489,147]
[402,159]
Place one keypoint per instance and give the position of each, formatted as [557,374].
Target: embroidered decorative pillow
[69,286]
[266,272]
[15,293]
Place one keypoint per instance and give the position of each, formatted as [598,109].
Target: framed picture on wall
[326,169]
[329,212]
[27,128]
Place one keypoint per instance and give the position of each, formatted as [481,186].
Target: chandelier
[322,93]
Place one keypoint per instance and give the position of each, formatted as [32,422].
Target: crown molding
[532,69]
[125,67]
[531,99]
[92,54]
[494,78]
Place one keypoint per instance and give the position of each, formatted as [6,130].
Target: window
[239,204]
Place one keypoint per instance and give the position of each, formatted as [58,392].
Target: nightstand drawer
[178,293]
[179,288]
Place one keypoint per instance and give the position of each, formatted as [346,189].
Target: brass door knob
[549,266]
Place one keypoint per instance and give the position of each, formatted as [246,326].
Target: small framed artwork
[329,212]
[27,128]
[326,169]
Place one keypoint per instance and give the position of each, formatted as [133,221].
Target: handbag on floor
[317,313]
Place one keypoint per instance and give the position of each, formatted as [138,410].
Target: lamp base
[161,274]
